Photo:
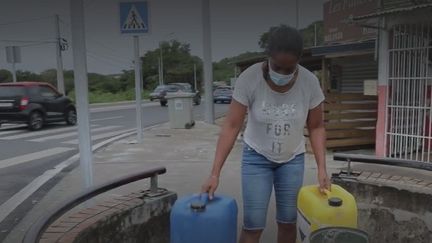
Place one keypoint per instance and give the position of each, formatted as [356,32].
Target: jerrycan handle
[199,205]
[333,201]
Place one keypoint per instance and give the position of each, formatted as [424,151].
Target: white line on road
[7,132]
[32,156]
[123,107]
[70,134]
[40,133]
[11,126]
[7,207]
[99,136]
[108,118]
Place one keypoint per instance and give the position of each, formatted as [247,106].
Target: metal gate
[409,102]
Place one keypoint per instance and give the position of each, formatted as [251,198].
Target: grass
[106,97]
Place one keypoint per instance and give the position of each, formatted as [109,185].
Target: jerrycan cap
[335,202]
[198,206]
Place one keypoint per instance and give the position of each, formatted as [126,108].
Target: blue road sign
[134,18]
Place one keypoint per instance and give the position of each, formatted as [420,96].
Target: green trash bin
[339,235]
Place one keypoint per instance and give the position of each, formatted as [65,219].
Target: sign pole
[134,21]
[208,66]
[81,88]
[14,76]
[138,90]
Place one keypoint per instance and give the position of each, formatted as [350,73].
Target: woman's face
[284,63]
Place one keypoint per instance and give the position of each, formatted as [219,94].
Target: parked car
[223,94]
[35,104]
[162,90]
[186,87]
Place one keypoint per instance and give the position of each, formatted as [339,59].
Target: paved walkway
[187,155]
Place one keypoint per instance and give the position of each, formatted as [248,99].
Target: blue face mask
[280,79]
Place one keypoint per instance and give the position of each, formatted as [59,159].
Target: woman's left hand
[324,181]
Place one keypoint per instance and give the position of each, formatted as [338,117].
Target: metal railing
[34,234]
[381,161]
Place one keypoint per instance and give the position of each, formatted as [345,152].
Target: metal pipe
[38,228]
[138,90]
[382,161]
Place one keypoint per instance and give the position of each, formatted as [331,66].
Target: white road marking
[122,107]
[108,118]
[7,132]
[99,136]
[32,156]
[7,207]
[39,133]
[70,134]
[11,126]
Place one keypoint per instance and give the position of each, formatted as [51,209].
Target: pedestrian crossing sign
[134,18]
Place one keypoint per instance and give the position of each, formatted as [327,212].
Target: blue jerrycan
[196,219]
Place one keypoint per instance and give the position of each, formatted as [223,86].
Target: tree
[224,69]
[5,76]
[308,34]
[177,62]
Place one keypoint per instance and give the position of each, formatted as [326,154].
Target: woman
[280,97]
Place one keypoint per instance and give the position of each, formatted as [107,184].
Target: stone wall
[389,213]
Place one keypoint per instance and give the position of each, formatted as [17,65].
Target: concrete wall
[137,217]
[389,214]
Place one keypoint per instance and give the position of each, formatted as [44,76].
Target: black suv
[35,104]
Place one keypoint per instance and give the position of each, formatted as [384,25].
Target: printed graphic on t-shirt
[278,123]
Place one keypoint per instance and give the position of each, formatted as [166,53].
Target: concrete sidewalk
[187,155]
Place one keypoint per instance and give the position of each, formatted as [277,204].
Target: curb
[128,102]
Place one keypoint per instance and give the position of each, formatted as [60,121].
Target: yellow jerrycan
[336,208]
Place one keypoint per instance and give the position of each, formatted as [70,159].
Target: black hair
[284,39]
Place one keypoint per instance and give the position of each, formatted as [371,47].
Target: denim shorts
[259,176]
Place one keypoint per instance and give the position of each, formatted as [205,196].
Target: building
[404,51]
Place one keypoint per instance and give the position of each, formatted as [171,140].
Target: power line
[106,61]
[114,52]
[29,41]
[37,44]
[25,21]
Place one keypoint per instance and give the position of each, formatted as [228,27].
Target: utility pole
[297,13]
[81,87]
[60,77]
[207,62]
[315,36]
[195,78]
[13,56]
[161,64]
[160,71]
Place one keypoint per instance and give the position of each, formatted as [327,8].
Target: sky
[236,27]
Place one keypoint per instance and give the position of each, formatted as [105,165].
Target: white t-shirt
[276,121]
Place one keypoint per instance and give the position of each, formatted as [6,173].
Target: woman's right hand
[210,186]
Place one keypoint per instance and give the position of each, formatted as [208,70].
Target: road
[26,155]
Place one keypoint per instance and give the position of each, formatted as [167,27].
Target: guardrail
[381,161]
[34,234]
